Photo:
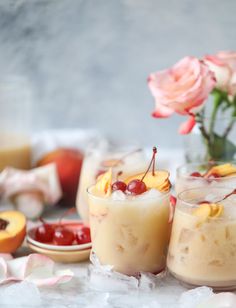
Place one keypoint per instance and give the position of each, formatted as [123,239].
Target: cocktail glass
[202,248]
[130,233]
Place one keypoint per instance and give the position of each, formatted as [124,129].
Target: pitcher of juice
[15,112]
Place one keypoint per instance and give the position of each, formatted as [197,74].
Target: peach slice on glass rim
[221,170]
[111,163]
[160,180]
[103,183]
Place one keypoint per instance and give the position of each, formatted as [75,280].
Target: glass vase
[212,141]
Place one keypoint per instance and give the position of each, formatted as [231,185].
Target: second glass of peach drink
[129,220]
[202,248]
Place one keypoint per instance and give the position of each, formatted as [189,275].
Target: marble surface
[81,291]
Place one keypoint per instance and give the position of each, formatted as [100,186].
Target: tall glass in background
[15,116]
[125,160]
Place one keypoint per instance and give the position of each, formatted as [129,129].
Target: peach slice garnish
[207,210]
[222,170]
[203,211]
[216,210]
[111,163]
[103,183]
[160,180]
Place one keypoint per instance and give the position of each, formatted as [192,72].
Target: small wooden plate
[62,256]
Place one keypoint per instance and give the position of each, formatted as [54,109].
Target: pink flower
[183,89]
[223,64]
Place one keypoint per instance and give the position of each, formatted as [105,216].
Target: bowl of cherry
[69,235]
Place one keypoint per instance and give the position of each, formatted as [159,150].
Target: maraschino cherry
[119,185]
[63,236]
[196,174]
[56,233]
[137,187]
[83,235]
[44,233]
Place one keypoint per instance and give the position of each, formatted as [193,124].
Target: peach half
[12,230]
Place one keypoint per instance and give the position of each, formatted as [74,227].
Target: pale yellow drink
[97,162]
[15,151]
[131,234]
[203,252]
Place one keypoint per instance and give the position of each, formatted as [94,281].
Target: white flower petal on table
[3,270]
[35,268]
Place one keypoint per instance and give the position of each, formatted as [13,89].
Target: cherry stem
[230,194]
[66,213]
[152,163]
[42,221]
[119,174]
[126,155]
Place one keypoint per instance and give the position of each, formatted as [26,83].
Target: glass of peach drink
[125,160]
[129,220]
[212,174]
[202,248]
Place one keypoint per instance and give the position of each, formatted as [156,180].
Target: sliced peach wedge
[103,184]
[158,180]
[222,170]
[208,210]
[12,230]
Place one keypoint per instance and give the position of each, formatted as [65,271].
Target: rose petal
[34,268]
[186,127]
[6,256]
[162,111]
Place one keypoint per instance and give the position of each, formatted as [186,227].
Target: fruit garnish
[216,209]
[208,210]
[119,185]
[159,181]
[100,172]
[136,187]
[221,170]
[83,235]
[152,179]
[111,163]
[203,212]
[104,183]
[196,174]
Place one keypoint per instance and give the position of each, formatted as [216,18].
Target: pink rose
[182,89]
[223,64]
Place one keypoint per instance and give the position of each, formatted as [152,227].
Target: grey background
[86,61]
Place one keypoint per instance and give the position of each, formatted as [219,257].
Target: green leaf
[221,148]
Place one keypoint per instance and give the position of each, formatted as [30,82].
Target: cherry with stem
[137,187]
